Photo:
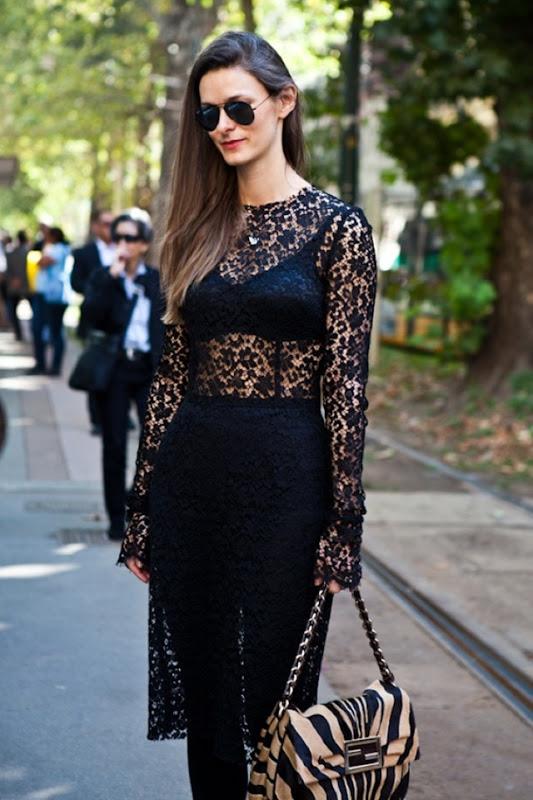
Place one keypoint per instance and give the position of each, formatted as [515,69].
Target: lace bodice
[286,315]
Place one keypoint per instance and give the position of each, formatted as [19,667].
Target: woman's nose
[225,122]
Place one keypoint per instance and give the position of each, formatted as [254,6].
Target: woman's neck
[267,183]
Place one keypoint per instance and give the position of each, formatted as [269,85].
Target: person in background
[50,302]
[98,253]
[125,299]
[17,280]
[5,242]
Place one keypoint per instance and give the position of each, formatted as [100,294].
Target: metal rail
[502,677]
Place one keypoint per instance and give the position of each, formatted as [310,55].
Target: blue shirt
[52,281]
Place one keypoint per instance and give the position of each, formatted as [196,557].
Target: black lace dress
[243,490]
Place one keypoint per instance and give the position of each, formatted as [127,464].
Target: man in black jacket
[100,252]
[125,299]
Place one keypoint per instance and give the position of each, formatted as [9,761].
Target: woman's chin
[236,159]
[240,157]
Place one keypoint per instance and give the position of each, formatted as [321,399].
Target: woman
[124,300]
[50,302]
[244,501]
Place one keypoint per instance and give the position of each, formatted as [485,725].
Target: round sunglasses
[240,112]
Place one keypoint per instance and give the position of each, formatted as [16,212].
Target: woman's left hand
[333,586]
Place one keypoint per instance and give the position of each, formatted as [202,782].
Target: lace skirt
[239,497]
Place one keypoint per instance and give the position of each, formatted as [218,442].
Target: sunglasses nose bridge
[224,120]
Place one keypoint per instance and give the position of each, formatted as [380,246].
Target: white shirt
[137,332]
[106,252]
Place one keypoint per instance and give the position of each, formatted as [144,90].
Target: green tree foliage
[468,225]
[426,148]
[17,203]
[453,51]
[91,88]
[459,75]
[77,72]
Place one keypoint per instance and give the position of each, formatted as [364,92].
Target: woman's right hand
[135,565]
[118,266]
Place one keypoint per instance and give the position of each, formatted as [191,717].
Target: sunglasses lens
[240,112]
[127,237]
[208,117]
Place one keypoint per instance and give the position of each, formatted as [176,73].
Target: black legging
[210,776]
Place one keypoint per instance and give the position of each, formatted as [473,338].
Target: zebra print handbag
[359,748]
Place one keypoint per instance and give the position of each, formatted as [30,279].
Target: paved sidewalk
[469,552]
[48,431]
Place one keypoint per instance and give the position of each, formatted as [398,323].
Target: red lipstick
[232,144]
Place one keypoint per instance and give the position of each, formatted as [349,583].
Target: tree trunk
[508,346]
[350,139]
[181,34]
[100,192]
[142,192]
[247,7]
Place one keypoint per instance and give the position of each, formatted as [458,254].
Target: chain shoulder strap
[310,628]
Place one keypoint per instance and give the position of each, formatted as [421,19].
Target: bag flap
[318,736]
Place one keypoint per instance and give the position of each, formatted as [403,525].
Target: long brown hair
[204,212]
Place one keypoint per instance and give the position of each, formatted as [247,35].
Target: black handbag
[94,367]
[359,748]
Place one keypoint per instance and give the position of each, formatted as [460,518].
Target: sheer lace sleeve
[351,280]
[166,392]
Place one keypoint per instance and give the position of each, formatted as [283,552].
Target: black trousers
[53,317]
[37,329]
[12,304]
[48,315]
[94,408]
[131,381]
[210,777]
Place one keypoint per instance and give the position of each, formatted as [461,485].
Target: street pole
[350,143]
[349,162]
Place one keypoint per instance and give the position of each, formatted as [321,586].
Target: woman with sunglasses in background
[245,499]
[124,300]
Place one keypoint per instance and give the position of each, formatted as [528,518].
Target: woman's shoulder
[60,249]
[153,274]
[337,214]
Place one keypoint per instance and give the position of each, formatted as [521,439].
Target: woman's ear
[287,100]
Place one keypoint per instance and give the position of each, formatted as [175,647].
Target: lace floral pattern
[166,392]
[350,297]
[245,365]
[250,365]
[243,490]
